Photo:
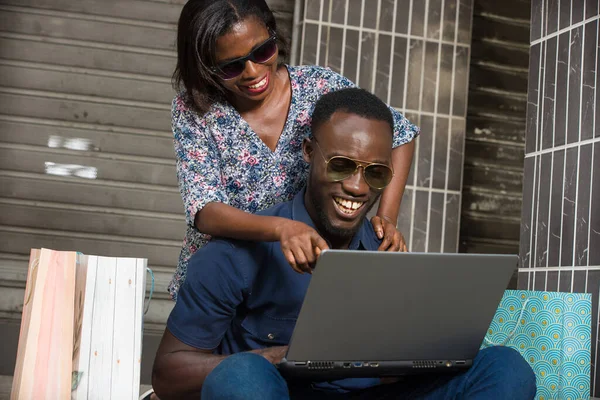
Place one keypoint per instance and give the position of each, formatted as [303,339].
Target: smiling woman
[239,122]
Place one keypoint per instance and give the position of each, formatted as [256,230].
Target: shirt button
[271,336]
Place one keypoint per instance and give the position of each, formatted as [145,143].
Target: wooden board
[111,331]
[102,330]
[124,317]
[140,290]
[46,367]
[34,259]
[81,364]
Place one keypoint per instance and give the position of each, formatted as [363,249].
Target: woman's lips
[259,87]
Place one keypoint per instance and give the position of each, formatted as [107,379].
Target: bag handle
[147,306]
[488,342]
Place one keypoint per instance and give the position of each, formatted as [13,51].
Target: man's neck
[339,243]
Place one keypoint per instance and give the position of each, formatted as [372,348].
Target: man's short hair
[353,101]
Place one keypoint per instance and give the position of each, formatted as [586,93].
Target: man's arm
[180,370]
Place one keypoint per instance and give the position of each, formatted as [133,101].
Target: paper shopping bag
[108,350]
[552,331]
[45,351]
[81,328]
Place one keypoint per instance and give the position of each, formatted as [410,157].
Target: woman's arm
[299,241]
[222,220]
[389,204]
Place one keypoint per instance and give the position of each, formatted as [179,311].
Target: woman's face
[256,82]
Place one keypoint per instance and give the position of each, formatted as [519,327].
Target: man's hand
[273,354]
[393,240]
[301,245]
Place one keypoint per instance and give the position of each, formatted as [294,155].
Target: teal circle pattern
[553,335]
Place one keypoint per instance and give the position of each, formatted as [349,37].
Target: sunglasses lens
[232,69]
[378,176]
[260,55]
[265,52]
[340,168]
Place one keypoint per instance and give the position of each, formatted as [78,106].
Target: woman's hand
[393,240]
[301,244]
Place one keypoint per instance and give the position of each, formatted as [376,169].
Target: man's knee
[244,376]
[509,366]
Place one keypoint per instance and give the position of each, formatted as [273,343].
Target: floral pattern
[221,159]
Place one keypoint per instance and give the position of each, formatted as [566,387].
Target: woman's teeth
[259,84]
[348,206]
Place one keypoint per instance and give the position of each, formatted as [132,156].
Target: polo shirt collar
[361,239]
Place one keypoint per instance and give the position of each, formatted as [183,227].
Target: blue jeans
[497,373]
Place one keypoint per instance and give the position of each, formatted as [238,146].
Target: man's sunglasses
[260,55]
[377,176]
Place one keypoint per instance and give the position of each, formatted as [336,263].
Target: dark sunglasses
[377,176]
[260,55]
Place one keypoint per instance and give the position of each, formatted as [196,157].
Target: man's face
[339,207]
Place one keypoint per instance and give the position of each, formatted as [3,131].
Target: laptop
[376,314]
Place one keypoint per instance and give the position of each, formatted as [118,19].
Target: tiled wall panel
[414,55]
[560,228]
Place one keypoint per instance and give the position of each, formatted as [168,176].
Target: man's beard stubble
[331,233]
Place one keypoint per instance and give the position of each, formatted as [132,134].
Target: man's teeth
[259,84]
[347,205]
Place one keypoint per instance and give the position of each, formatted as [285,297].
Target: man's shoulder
[227,256]
[283,210]
[219,248]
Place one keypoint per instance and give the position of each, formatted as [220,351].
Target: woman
[239,122]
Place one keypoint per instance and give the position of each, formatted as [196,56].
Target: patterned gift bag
[552,331]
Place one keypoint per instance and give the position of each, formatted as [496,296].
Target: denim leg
[497,373]
[245,376]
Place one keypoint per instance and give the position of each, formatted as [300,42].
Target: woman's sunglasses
[377,176]
[260,55]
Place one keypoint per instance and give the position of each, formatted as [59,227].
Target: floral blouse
[221,159]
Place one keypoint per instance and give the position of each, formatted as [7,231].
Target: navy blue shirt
[241,296]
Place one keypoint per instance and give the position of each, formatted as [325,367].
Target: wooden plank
[60,340]
[47,363]
[79,307]
[140,290]
[123,339]
[34,260]
[102,330]
[82,364]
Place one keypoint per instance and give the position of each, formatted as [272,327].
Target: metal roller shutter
[86,153]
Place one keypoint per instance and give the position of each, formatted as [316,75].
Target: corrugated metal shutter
[86,153]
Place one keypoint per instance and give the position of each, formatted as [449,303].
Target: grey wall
[560,229]
[413,54]
[495,138]
[86,151]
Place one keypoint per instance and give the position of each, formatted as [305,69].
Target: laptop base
[332,370]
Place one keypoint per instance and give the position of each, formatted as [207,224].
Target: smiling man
[238,306]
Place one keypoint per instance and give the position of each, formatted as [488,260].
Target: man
[238,307]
